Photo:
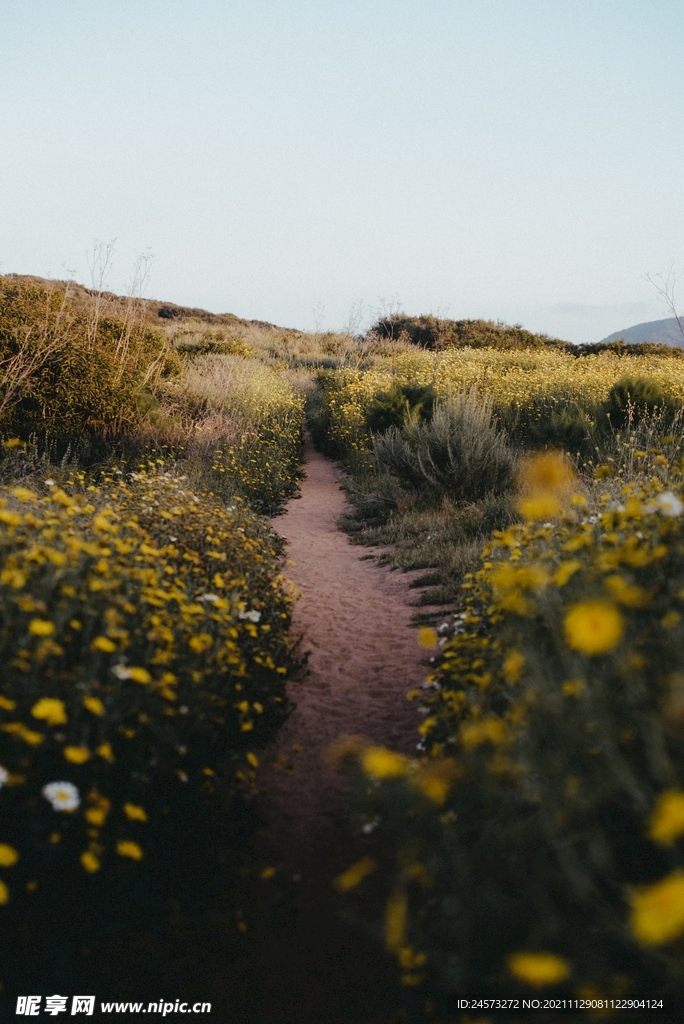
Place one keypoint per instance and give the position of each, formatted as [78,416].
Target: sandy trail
[355,621]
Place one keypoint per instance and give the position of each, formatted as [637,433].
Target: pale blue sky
[513,159]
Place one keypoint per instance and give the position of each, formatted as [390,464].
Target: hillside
[658,332]
[153,310]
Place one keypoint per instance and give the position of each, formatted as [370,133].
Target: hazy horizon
[296,163]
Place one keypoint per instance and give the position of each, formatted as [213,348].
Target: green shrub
[400,406]
[68,375]
[632,399]
[458,453]
[431,332]
[540,423]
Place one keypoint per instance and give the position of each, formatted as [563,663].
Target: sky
[314,164]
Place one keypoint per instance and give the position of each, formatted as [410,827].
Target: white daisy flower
[208,597]
[63,796]
[253,615]
[669,504]
[121,672]
[370,826]
[4,776]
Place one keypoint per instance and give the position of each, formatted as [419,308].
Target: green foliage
[400,406]
[431,332]
[540,423]
[622,348]
[631,399]
[458,453]
[69,374]
[446,539]
[191,342]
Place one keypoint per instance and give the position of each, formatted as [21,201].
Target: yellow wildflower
[486,730]
[396,910]
[8,856]
[89,862]
[549,473]
[657,916]
[513,666]
[267,873]
[94,704]
[20,730]
[135,813]
[667,821]
[564,571]
[127,848]
[409,959]
[105,751]
[539,969]
[4,894]
[593,627]
[200,643]
[41,627]
[50,710]
[510,577]
[380,763]
[355,874]
[139,675]
[104,644]
[427,636]
[436,779]
[13,578]
[626,593]
[540,506]
[77,755]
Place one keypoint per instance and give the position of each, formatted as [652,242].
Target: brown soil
[302,964]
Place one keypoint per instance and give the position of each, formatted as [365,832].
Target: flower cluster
[555,854]
[144,649]
[262,465]
[526,387]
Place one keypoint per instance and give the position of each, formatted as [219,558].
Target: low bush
[144,643]
[632,399]
[400,406]
[458,453]
[435,333]
[69,374]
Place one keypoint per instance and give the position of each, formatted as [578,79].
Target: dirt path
[303,965]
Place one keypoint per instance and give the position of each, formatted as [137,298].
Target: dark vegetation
[436,334]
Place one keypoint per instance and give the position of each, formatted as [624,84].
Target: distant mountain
[658,332]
